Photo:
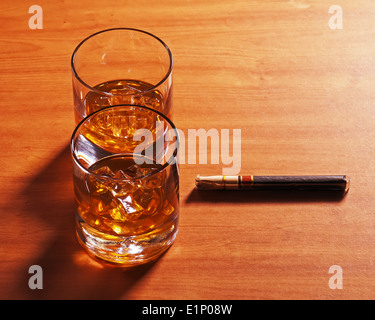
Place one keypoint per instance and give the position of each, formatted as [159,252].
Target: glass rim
[162,168]
[75,73]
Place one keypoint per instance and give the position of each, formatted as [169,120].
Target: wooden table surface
[303,96]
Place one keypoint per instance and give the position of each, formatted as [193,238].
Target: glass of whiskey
[126,183]
[121,66]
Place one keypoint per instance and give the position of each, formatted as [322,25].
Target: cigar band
[245,181]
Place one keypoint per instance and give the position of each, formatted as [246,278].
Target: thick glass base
[126,251]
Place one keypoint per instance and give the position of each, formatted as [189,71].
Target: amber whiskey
[122,197]
[126,92]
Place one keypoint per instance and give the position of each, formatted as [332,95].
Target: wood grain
[302,95]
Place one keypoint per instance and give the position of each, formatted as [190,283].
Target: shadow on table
[264,196]
[68,272]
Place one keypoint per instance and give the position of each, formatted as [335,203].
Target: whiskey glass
[121,66]
[126,183]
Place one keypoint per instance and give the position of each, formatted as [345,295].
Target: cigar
[249,182]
